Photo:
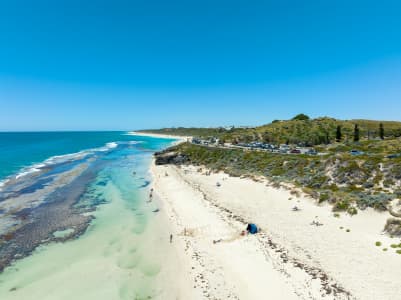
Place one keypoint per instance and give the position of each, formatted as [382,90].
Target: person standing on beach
[171,238]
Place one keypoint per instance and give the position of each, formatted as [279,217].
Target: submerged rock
[393,227]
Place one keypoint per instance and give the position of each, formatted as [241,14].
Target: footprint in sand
[149,268]
[129,261]
[114,246]
[140,228]
[127,292]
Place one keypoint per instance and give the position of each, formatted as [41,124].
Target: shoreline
[180,139]
[130,255]
[338,260]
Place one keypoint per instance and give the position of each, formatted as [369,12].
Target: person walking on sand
[171,238]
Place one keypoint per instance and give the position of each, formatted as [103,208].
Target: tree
[321,139]
[266,137]
[356,133]
[301,117]
[327,138]
[381,131]
[338,134]
[247,138]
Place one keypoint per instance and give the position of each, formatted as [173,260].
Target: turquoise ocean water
[75,217]
[23,149]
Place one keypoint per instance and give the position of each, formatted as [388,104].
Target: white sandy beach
[164,136]
[289,259]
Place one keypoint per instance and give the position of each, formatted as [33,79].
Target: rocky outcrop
[393,227]
[394,208]
[394,213]
[169,157]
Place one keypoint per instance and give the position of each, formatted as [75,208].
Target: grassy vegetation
[308,132]
[189,131]
[348,182]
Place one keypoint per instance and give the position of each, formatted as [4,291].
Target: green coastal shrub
[353,182]
[378,244]
[388,182]
[353,188]
[378,201]
[397,192]
[342,205]
[333,187]
[352,211]
[323,197]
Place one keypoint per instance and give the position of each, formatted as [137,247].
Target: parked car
[311,152]
[295,151]
[356,152]
[396,155]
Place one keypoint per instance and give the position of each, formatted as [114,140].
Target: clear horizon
[129,65]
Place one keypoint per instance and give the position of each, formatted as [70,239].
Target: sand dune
[289,259]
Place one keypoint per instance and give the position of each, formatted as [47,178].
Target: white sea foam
[27,172]
[57,159]
[107,147]
[112,145]
[3,183]
[129,133]
[67,157]
[130,142]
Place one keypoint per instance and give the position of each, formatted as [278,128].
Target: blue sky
[94,65]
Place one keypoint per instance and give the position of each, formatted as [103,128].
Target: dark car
[356,152]
[295,151]
[312,152]
[396,155]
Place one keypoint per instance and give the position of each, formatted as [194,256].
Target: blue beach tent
[252,228]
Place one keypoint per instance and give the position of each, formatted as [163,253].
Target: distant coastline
[163,136]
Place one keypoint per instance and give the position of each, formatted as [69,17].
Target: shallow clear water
[120,252]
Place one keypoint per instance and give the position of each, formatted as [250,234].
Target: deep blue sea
[20,150]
